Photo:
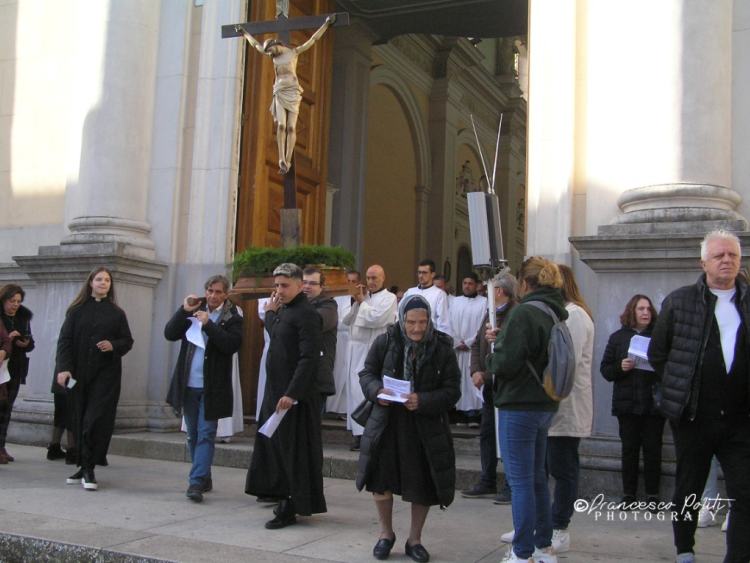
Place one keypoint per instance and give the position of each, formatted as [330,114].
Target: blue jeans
[487,449]
[523,441]
[563,464]
[201,434]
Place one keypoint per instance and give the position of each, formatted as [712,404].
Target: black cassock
[94,397]
[290,463]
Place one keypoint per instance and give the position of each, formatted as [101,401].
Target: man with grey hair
[210,331]
[287,467]
[506,290]
[699,349]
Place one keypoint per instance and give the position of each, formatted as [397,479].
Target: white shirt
[728,320]
[438,301]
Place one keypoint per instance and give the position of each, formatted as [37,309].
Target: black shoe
[71,456]
[417,552]
[208,485]
[267,500]
[54,451]
[89,480]
[383,548]
[503,497]
[75,479]
[195,493]
[627,503]
[479,491]
[355,444]
[284,515]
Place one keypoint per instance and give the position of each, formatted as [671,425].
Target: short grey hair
[508,284]
[289,270]
[217,279]
[718,234]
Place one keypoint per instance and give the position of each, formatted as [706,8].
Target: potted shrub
[253,267]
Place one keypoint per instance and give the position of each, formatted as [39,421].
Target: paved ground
[140,509]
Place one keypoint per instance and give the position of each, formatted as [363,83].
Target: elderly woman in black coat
[407,448]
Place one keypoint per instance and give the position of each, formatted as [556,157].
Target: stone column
[352,59]
[105,211]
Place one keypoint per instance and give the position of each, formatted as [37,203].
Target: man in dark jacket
[288,465]
[699,349]
[313,283]
[506,288]
[201,389]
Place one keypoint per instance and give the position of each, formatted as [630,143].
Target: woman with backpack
[526,410]
[641,425]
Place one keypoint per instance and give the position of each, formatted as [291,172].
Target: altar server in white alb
[466,314]
[436,297]
[374,308]
[337,402]
[262,304]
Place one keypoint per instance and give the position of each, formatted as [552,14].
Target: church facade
[132,135]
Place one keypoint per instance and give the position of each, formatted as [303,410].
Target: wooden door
[260,184]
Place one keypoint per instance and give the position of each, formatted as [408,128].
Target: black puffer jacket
[18,366]
[438,386]
[678,343]
[633,390]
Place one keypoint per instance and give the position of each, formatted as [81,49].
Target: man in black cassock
[288,467]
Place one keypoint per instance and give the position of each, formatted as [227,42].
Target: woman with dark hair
[407,448]
[641,426]
[17,323]
[526,411]
[93,339]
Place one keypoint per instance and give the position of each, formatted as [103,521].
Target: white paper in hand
[638,351]
[195,333]
[478,392]
[398,388]
[270,426]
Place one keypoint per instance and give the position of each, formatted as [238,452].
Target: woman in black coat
[17,322]
[407,448]
[641,426]
[93,339]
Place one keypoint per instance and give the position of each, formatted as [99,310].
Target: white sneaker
[511,557]
[725,525]
[706,518]
[546,555]
[560,541]
[507,537]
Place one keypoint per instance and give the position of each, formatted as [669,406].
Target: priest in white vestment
[372,311]
[436,297]
[466,313]
[262,367]
[336,403]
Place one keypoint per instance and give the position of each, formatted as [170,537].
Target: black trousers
[95,406]
[487,441]
[696,443]
[5,409]
[641,432]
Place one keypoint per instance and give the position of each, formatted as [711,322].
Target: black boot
[54,451]
[284,515]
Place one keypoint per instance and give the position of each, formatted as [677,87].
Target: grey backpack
[559,375]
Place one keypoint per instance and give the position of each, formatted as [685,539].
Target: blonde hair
[571,292]
[540,272]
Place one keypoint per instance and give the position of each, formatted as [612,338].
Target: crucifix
[287,92]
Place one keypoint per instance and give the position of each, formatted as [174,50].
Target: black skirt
[400,464]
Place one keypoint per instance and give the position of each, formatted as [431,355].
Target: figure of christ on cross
[287,92]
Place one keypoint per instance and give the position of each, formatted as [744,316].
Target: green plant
[256,261]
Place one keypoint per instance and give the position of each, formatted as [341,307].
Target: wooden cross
[282,25]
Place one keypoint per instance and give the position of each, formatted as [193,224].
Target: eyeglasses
[310,282]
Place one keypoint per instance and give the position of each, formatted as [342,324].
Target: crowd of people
[398,367]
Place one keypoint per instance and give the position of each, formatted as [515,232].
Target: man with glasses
[313,282]
[436,297]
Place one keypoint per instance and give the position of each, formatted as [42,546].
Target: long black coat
[290,463]
[679,341]
[328,310]
[633,391]
[224,340]
[18,366]
[437,385]
[98,374]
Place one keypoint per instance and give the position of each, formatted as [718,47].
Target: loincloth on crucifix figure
[287,92]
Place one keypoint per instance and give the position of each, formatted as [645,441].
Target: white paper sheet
[638,351]
[270,426]
[398,389]
[195,333]
[478,392]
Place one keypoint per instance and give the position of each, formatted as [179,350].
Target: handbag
[362,412]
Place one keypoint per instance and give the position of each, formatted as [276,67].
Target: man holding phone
[210,331]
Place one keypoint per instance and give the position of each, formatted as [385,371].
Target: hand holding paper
[396,389]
